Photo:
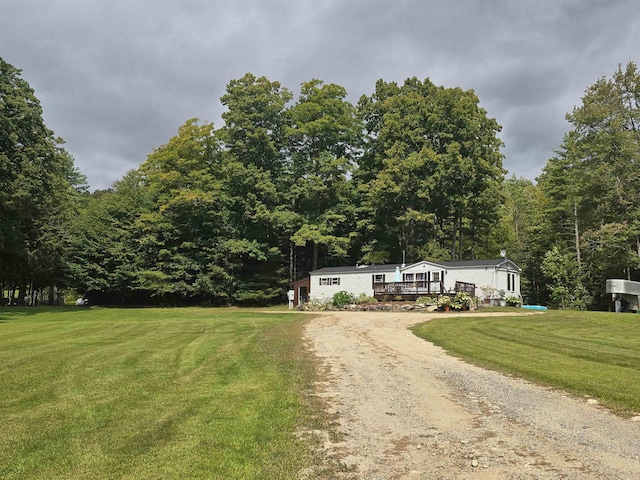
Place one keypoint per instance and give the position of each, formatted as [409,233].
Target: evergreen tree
[592,185]
[37,195]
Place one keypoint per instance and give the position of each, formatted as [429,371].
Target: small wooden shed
[301,291]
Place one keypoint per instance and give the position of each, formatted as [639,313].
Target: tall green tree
[49,251]
[607,132]
[322,136]
[523,234]
[185,234]
[593,184]
[255,151]
[431,174]
[212,234]
[37,194]
[254,129]
[106,262]
[563,183]
[607,142]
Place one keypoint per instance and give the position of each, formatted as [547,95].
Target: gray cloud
[117,79]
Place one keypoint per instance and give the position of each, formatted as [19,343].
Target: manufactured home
[411,281]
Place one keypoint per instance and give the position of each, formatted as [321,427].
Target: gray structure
[625,294]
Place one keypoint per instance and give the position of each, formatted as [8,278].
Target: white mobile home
[417,279]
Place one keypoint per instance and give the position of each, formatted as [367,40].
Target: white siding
[477,275]
[360,280]
[482,276]
[429,269]
[502,283]
[352,282]
[422,267]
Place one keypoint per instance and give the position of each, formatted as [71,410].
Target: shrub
[342,299]
[462,299]
[444,301]
[425,301]
[318,305]
[364,298]
[513,301]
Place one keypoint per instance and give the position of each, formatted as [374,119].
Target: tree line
[289,183]
[40,191]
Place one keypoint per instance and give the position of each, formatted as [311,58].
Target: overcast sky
[117,78]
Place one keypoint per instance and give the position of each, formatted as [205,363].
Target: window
[330,281]
[511,282]
[435,277]
[407,277]
[378,278]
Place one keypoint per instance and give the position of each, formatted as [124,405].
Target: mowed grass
[153,393]
[585,353]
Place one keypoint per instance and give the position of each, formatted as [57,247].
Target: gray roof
[495,262]
[357,268]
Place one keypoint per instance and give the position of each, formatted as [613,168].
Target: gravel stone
[392,391]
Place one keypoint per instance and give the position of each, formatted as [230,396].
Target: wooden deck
[412,290]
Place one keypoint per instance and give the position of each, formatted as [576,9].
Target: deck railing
[409,288]
[470,288]
[421,288]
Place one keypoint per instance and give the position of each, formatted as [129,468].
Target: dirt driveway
[407,410]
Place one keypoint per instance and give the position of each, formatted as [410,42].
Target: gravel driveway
[407,410]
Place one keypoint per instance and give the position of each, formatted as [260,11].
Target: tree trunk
[291,260]
[460,242]
[53,295]
[314,260]
[472,234]
[453,240]
[22,292]
[577,236]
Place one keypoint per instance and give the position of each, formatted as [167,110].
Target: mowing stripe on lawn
[152,393]
[586,353]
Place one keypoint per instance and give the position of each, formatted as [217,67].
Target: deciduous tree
[322,136]
[431,173]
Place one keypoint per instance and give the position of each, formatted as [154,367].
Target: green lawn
[153,393]
[585,353]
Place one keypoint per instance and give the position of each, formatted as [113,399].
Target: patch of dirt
[407,410]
